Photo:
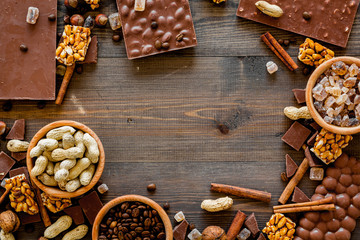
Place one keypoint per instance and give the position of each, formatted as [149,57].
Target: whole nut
[9,221]
[214,233]
[2,127]
[306,16]
[77,20]
[52,17]
[151,187]
[166,206]
[23,48]
[116,38]
[71,3]
[101,20]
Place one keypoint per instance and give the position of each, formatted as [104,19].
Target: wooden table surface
[157,116]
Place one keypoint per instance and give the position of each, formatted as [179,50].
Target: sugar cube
[194,234]
[139,5]
[316,174]
[179,216]
[32,15]
[244,234]
[103,188]
[114,20]
[271,67]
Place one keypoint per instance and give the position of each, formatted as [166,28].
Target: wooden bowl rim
[310,103]
[53,191]
[132,198]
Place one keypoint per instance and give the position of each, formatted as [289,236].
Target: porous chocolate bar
[329,21]
[163,26]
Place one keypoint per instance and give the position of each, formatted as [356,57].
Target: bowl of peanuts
[333,95]
[65,159]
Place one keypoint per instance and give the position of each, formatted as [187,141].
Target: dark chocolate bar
[6,163]
[91,205]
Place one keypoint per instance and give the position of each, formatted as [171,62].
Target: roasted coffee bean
[124,206]
[116,230]
[166,206]
[138,238]
[135,220]
[23,48]
[161,235]
[154,25]
[133,226]
[141,207]
[128,236]
[128,211]
[152,187]
[116,38]
[165,45]
[286,42]
[156,219]
[139,229]
[306,71]
[136,212]
[147,223]
[125,215]
[158,44]
[133,234]
[154,212]
[103,225]
[113,224]
[160,225]
[125,225]
[145,234]
[133,206]
[129,220]
[281,42]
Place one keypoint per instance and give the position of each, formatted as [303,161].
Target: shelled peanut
[55,204]
[93,3]
[21,196]
[279,227]
[328,146]
[66,158]
[313,54]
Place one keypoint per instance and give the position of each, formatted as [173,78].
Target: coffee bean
[166,206]
[152,237]
[116,38]
[147,223]
[113,224]
[67,19]
[281,42]
[128,236]
[125,215]
[223,128]
[158,44]
[133,234]
[151,187]
[154,25]
[79,68]
[52,17]
[145,234]
[23,48]
[179,37]
[161,235]
[7,106]
[133,226]
[124,206]
[165,45]
[286,42]
[306,71]
[306,16]
[154,212]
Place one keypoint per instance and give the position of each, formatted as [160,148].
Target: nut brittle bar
[313,54]
[55,204]
[73,44]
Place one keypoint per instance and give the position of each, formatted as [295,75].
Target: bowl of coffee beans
[132,217]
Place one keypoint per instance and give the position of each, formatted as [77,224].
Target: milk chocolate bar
[163,26]
[330,21]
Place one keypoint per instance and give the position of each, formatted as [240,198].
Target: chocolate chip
[29,228]
[52,17]
[7,106]
[23,48]
[67,19]
[116,38]
[281,42]
[306,16]
[157,44]
[165,45]
[286,42]
[154,25]
[151,187]
[166,206]
[306,71]
[223,128]
[79,69]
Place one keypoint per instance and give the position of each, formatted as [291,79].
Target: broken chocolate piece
[261,237]
[18,130]
[76,214]
[27,218]
[315,126]
[299,196]
[313,160]
[312,139]
[252,225]
[6,163]
[179,232]
[18,156]
[92,52]
[18,171]
[291,166]
[296,135]
[299,95]
[91,205]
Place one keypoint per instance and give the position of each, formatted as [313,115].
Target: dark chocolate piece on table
[20,79]
[18,156]
[18,130]
[172,18]
[299,94]
[313,160]
[91,205]
[291,166]
[6,163]
[261,237]
[27,218]
[296,135]
[335,27]
[299,196]
[179,232]
[76,214]
[312,139]
[18,171]
[92,52]
[252,225]
[315,126]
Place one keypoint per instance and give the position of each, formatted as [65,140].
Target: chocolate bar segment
[18,171]
[92,52]
[18,156]
[164,25]
[296,135]
[91,205]
[17,131]
[76,214]
[6,163]
[299,94]
[252,224]
[291,166]
[299,196]
[180,230]
[27,74]
[331,21]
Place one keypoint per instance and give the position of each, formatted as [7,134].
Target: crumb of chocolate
[67,19]
[223,128]
[284,177]
[52,17]
[79,69]
[306,15]
[23,48]
[41,104]
[165,45]
[286,42]
[116,38]
[158,44]
[7,106]
[281,42]
[166,206]
[154,25]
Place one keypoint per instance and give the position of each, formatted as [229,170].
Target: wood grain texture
[157,117]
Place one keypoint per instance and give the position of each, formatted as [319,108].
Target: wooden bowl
[54,191]
[310,102]
[132,198]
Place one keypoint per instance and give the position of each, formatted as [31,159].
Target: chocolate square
[27,218]
[330,22]
[76,214]
[17,131]
[315,126]
[252,225]
[166,21]
[299,196]
[313,160]
[91,205]
[299,94]
[291,166]
[27,74]
[311,141]
[92,52]
[18,156]
[179,232]
[6,163]
[20,170]
[296,135]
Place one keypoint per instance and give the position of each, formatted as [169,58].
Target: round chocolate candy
[352,190]
[345,180]
[320,189]
[340,188]
[326,216]
[302,233]
[356,168]
[313,216]
[343,200]
[306,224]
[346,170]
[339,213]
[333,225]
[351,163]
[333,172]
[353,211]
[316,234]
[356,179]
[329,236]
[317,197]
[356,200]
[343,234]
[322,227]
[23,48]
[348,223]
[342,161]
[330,183]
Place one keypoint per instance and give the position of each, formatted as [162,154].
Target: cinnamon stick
[323,207]
[236,225]
[66,80]
[2,198]
[241,192]
[44,215]
[294,181]
[271,42]
[305,204]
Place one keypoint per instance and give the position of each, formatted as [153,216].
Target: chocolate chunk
[91,205]
[20,79]
[299,196]
[76,214]
[27,218]
[252,224]
[315,126]
[18,171]
[18,156]
[299,94]
[18,130]
[179,232]
[6,163]
[313,160]
[291,166]
[336,19]
[92,52]
[312,139]
[296,135]
[261,237]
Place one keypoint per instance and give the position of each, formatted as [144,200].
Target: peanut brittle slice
[55,204]
[73,44]
[313,54]
[93,3]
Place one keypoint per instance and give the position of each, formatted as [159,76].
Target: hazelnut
[214,233]
[89,22]
[151,187]
[71,3]
[23,48]
[101,20]
[116,37]
[77,20]
[166,206]
[52,17]
[307,16]
[2,127]
[9,221]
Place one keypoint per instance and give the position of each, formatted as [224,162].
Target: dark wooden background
[157,116]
